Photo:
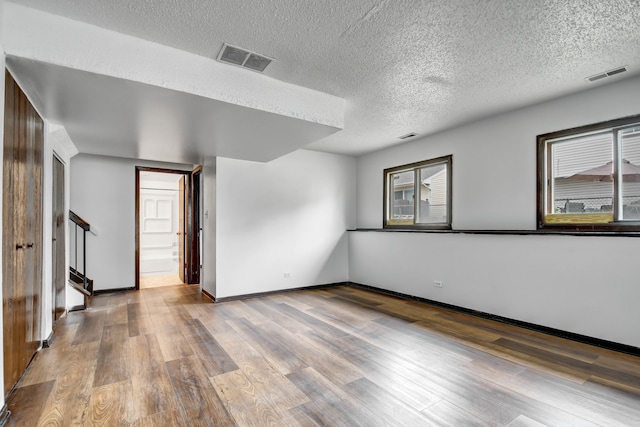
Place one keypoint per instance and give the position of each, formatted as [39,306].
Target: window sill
[413,227]
[542,232]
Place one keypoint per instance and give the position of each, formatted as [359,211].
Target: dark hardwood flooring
[336,357]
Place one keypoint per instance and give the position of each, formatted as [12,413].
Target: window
[418,195]
[589,177]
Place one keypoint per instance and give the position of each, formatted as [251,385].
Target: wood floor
[337,357]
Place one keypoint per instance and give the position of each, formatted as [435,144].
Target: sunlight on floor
[157,281]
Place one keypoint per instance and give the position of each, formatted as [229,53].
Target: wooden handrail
[81,222]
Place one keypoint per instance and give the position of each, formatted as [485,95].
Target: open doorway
[167,227]
[160,231]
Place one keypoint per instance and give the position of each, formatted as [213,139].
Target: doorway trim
[191,250]
[56,245]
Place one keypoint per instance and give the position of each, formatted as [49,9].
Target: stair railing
[77,275]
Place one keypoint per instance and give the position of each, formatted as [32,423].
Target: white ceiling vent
[243,58]
[407,136]
[608,73]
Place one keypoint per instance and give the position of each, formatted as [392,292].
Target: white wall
[563,282]
[208,223]
[103,193]
[585,285]
[285,216]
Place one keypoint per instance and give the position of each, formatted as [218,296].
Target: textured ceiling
[401,65]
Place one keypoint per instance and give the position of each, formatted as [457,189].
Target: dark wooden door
[58,243]
[22,231]
[193,227]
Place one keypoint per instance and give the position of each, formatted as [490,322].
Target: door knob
[19,247]
[29,245]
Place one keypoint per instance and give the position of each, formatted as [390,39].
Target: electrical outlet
[437,283]
[287,275]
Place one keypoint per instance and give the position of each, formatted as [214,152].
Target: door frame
[55,244]
[182,235]
[192,220]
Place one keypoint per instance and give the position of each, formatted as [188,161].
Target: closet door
[10,255]
[33,233]
[22,232]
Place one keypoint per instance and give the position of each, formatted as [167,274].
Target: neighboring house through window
[431,181]
[589,177]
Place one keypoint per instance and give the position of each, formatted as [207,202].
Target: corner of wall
[291,230]
[56,142]
[209,235]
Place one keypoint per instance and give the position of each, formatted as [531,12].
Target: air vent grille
[617,71]
[598,77]
[243,58]
[608,73]
[409,135]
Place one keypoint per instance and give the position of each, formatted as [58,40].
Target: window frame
[543,179]
[388,193]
